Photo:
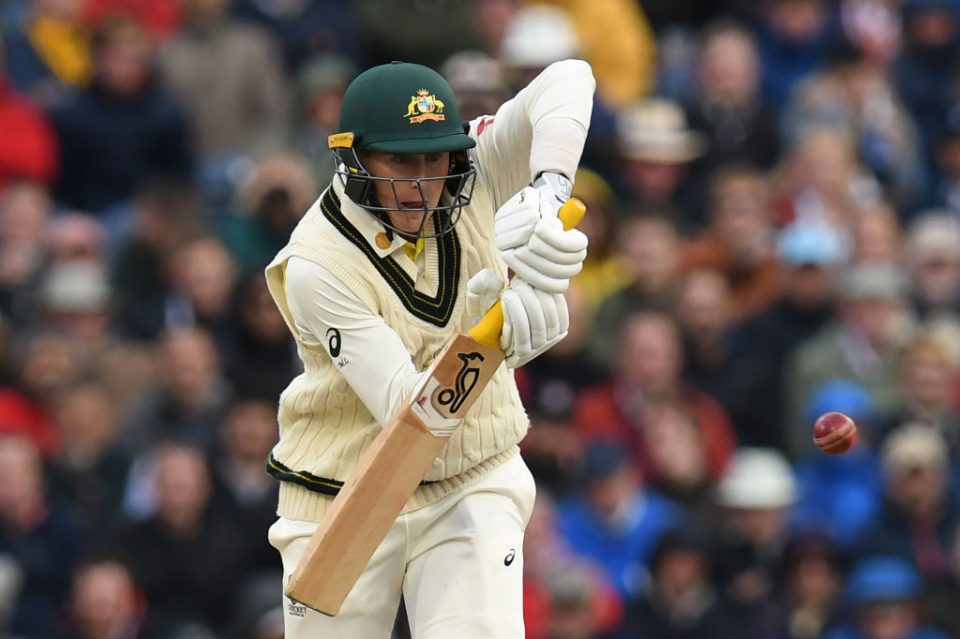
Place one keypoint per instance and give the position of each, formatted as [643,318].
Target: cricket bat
[392,468]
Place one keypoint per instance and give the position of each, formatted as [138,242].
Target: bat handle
[487,330]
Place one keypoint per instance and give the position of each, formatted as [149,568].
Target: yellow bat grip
[487,330]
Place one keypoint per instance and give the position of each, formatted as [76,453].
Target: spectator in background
[49,54]
[166,214]
[409,31]
[229,78]
[160,18]
[885,594]
[183,556]
[490,20]
[932,259]
[477,82]
[862,344]
[41,537]
[919,516]
[202,277]
[75,300]
[928,388]
[810,584]
[105,603]
[942,595]
[874,27]
[616,522]
[534,38]
[320,85]
[755,499]
[855,95]
[76,236]
[820,180]
[604,271]
[727,105]
[183,405]
[563,374]
[876,234]
[269,202]
[656,149]
[616,39]
[681,601]
[793,37]
[258,354]
[571,591]
[704,316]
[121,130]
[28,148]
[811,254]
[926,67]
[650,250]
[247,495]
[91,468]
[24,214]
[549,386]
[45,363]
[306,28]
[669,430]
[739,240]
[944,185]
[186,402]
[546,555]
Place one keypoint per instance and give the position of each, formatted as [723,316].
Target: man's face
[650,355]
[729,69]
[408,193]
[888,620]
[877,318]
[810,286]
[655,180]
[918,489]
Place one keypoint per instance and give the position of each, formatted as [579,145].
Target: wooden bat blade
[390,471]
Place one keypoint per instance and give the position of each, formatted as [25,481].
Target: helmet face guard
[360,186]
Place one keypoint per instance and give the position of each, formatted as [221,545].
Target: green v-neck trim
[434,309]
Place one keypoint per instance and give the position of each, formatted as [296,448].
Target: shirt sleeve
[542,128]
[369,354]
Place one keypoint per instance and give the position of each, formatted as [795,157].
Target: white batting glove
[533,321]
[554,189]
[533,243]
[483,290]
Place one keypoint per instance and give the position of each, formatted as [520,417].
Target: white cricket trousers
[458,564]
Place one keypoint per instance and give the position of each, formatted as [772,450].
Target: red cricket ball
[834,433]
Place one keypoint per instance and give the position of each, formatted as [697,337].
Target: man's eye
[434,157]
[400,159]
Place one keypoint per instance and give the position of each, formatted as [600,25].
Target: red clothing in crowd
[22,417]
[28,148]
[597,415]
[159,17]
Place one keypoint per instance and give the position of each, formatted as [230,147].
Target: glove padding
[533,243]
[533,320]
[483,290]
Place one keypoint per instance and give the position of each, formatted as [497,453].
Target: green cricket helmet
[404,109]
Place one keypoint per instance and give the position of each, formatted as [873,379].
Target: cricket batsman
[408,247]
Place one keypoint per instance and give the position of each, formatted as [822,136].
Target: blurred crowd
[774,218]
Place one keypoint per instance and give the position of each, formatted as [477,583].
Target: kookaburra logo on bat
[463,385]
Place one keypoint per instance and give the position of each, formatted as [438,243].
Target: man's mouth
[412,204]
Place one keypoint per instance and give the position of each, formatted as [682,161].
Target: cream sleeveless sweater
[324,427]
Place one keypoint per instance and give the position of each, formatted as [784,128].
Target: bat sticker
[464,383]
